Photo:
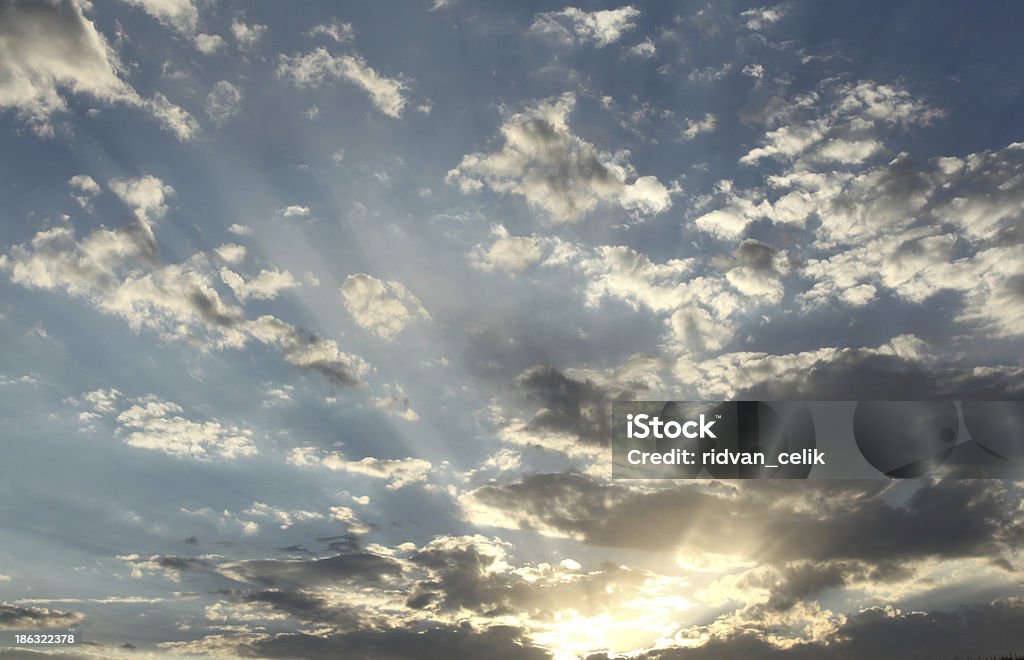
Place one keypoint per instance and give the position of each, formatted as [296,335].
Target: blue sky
[313,315]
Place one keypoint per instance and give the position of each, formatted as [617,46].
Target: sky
[313,314]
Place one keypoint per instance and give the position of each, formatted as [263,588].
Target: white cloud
[85,189]
[509,253]
[556,171]
[231,253]
[159,425]
[844,131]
[318,66]
[175,119]
[265,286]
[209,44]
[119,272]
[754,71]
[645,49]
[398,472]
[284,518]
[239,229]
[762,17]
[726,375]
[145,195]
[294,211]
[179,15]
[383,307]
[336,30]
[695,128]
[102,400]
[53,49]
[223,101]
[247,35]
[573,25]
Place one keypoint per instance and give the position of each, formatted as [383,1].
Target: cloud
[357,568]
[223,102]
[336,30]
[159,425]
[695,128]
[179,15]
[762,17]
[52,49]
[239,229]
[846,130]
[509,253]
[247,34]
[645,49]
[385,308]
[318,66]
[294,211]
[556,171]
[265,286]
[396,402]
[398,472]
[568,410]
[85,189]
[974,630]
[437,643]
[119,272]
[145,195]
[848,521]
[231,253]
[208,44]
[15,617]
[599,28]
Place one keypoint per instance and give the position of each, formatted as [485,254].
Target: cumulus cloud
[145,195]
[556,171]
[847,131]
[151,423]
[52,49]
[509,253]
[247,34]
[319,66]
[264,286]
[294,211]
[599,28]
[180,15]
[385,308]
[84,189]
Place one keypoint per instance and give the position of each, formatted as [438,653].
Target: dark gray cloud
[755,254]
[566,405]
[856,375]
[848,520]
[984,630]
[306,607]
[30,618]
[361,568]
[440,643]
